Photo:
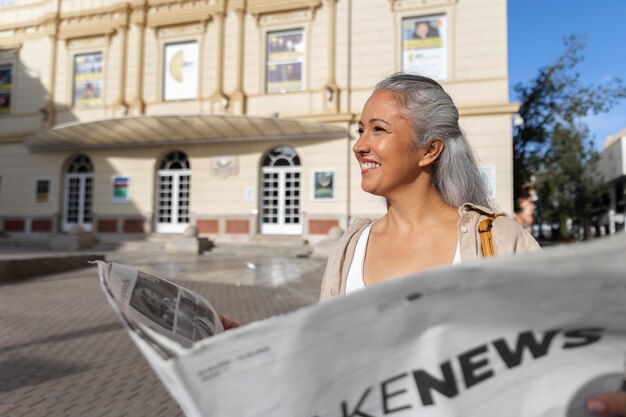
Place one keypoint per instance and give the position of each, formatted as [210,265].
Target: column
[120,106]
[238,97]
[137,105]
[219,101]
[331,91]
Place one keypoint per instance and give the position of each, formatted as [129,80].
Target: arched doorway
[280,192]
[172,203]
[78,194]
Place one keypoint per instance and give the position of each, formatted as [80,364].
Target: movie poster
[285,61]
[88,80]
[180,71]
[6,82]
[424,46]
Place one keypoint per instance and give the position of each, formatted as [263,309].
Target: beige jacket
[508,237]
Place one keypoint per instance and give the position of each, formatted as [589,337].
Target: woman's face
[388,158]
[422,30]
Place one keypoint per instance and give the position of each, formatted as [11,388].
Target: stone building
[612,168]
[235,116]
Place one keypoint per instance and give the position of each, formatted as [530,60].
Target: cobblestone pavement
[63,353]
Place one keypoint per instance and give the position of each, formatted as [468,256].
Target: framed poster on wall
[284,61]
[42,190]
[121,189]
[424,46]
[87,82]
[6,85]
[324,185]
[180,71]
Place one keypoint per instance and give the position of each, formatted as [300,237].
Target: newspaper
[159,310]
[532,335]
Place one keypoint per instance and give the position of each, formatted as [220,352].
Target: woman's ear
[432,152]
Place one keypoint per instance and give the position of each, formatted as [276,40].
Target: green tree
[566,182]
[552,144]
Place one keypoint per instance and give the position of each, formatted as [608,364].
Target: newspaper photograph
[531,335]
[146,301]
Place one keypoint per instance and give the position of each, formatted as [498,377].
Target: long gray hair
[432,113]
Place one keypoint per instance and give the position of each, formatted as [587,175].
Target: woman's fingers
[611,404]
[228,323]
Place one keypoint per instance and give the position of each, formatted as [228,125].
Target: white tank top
[355,281]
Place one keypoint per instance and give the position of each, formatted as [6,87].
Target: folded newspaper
[531,335]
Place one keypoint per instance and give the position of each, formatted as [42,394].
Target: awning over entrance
[174,130]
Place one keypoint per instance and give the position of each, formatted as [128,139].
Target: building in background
[612,166]
[234,116]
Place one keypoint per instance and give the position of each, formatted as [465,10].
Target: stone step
[130,245]
[25,244]
[265,249]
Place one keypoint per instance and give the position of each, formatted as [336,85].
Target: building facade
[234,116]
[612,168]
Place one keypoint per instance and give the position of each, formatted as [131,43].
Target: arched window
[173,186]
[174,161]
[78,194]
[280,192]
[80,164]
[280,157]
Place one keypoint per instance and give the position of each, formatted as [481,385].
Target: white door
[78,195]
[280,193]
[172,202]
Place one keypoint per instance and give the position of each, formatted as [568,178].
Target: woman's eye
[359,131]
[379,129]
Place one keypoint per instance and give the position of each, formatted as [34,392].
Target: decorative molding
[224,166]
[102,22]
[338,118]
[237,5]
[21,33]
[138,15]
[88,43]
[260,7]
[402,5]
[108,20]
[286,18]
[173,13]
[10,51]
[181,30]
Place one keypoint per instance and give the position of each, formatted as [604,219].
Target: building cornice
[171,13]
[100,22]
[260,7]
[106,21]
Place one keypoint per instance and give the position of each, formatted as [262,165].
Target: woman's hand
[228,323]
[609,404]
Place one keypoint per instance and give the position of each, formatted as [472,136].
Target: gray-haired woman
[413,153]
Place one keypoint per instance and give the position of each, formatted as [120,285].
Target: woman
[412,152]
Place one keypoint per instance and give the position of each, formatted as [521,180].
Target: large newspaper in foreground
[531,335]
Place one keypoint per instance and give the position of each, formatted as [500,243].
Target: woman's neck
[413,213]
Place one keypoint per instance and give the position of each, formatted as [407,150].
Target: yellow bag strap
[486,240]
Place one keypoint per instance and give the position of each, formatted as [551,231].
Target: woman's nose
[360,146]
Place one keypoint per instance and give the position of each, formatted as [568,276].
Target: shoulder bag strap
[486,240]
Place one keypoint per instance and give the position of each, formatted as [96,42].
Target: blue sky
[536,32]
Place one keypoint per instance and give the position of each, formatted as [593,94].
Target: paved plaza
[63,352]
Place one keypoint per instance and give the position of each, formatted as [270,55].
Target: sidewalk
[63,352]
